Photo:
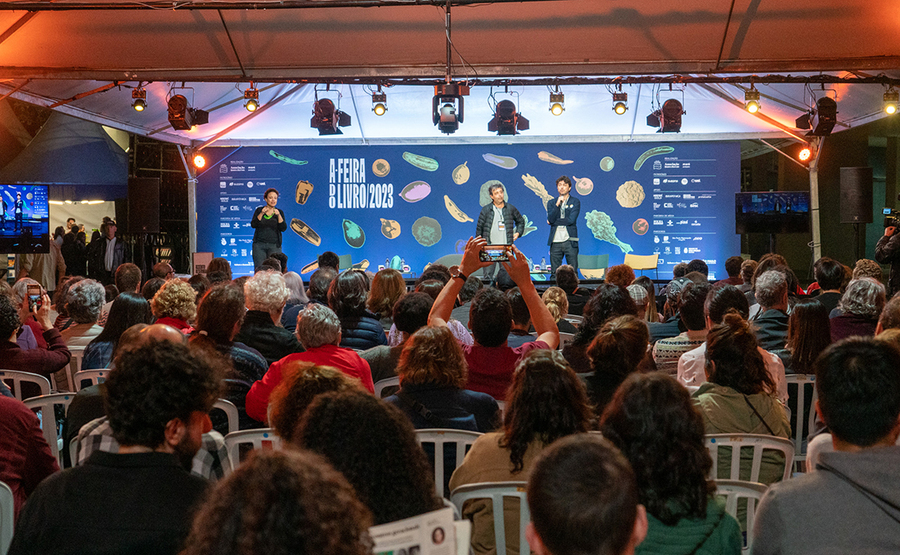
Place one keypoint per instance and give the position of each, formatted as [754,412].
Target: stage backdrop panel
[421,202]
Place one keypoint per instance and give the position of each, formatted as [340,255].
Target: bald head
[140,334]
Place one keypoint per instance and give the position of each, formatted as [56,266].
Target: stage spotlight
[326,118]
[251,99]
[805,153]
[891,101]
[139,99]
[751,100]
[620,103]
[379,103]
[506,120]
[557,103]
[182,116]
[823,118]
[667,118]
[447,106]
[199,161]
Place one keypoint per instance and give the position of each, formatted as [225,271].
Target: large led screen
[420,202]
[25,219]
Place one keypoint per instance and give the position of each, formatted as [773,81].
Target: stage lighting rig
[447,107]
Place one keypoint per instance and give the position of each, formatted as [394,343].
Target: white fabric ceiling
[50,57]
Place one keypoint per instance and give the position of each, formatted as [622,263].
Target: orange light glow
[199,161]
[805,154]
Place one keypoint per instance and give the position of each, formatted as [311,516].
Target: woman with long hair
[740,395]
[652,420]
[545,402]
[281,503]
[808,334]
[607,302]
[219,317]
[433,374]
[374,446]
[558,305]
[388,286]
[296,301]
[347,296]
[127,310]
[619,349]
[651,313]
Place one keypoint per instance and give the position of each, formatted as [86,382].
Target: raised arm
[543,321]
[443,305]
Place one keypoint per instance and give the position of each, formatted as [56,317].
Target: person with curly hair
[546,401]
[319,331]
[433,373]
[652,419]
[860,307]
[302,382]
[608,302]
[281,503]
[387,288]
[620,274]
[740,396]
[142,498]
[558,305]
[619,349]
[265,295]
[175,304]
[409,314]
[374,446]
[84,300]
[347,296]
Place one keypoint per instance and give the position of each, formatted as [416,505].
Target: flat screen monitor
[772,212]
[25,221]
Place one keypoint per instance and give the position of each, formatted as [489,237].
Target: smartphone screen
[34,297]
[494,253]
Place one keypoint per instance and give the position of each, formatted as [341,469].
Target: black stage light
[327,119]
[506,120]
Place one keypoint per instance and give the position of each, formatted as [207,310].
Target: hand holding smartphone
[34,298]
[494,253]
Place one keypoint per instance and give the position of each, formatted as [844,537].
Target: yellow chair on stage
[643,262]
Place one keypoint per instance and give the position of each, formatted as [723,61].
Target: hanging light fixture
[751,100]
[327,118]
[139,99]
[447,106]
[379,102]
[507,120]
[891,101]
[620,102]
[251,98]
[557,102]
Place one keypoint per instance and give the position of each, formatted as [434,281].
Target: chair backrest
[593,266]
[262,438]
[462,439]
[734,490]
[642,261]
[7,523]
[345,261]
[87,378]
[74,366]
[565,339]
[15,378]
[803,418]
[496,491]
[574,319]
[759,443]
[380,386]
[231,412]
[45,404]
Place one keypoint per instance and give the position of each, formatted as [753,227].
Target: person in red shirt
[319,331]
[491,361]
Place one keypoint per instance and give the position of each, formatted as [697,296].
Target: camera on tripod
[891,217]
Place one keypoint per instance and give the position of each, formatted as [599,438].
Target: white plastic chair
[799,384]
[734,490]
[380,386]
[231,412]
[759,443]
[263,438]
[74,366]
[7,515]
[93,376]
[462,439]
[565,339]
[496,492]
[574,319]
[45,404]
[16,378]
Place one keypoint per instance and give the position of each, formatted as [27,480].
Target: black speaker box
[143,205]
[856,195]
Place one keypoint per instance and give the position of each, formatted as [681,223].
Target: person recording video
[500,223]
[887,251]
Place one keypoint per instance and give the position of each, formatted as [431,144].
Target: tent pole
[192,203]
[814,198]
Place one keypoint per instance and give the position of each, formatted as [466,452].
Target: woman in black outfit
[269,223]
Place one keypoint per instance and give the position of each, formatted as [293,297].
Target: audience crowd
[535,377]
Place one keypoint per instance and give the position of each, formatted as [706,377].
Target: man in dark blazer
[562,214]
